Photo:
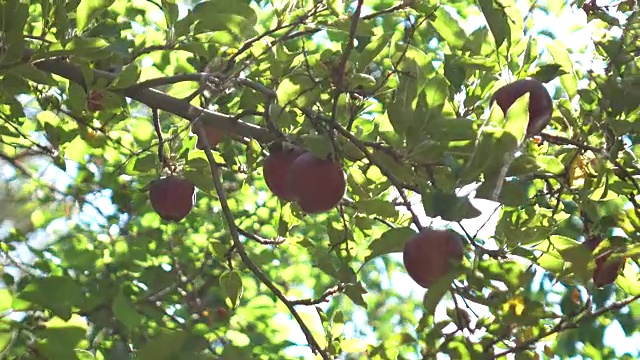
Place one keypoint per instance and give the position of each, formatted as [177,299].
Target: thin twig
[340,70]
[170,80]
[564,325]
[389,10]
[322,298]
[162,157]
[262,240]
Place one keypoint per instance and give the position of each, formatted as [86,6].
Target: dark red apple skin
[276,169]
[540,103]
[214,137]
[606,272]
[429,255]
[94,101]
[317,185]
[172,198]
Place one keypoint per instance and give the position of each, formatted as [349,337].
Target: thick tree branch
[156,99]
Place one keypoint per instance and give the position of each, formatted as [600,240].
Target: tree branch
[339,82]
[261,240]
[156,99]
[324,297]
[564,325]
[233,230]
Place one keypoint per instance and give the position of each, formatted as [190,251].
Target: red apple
[540,103]
[94,101]
[430,255]
[606,270]
[172,197]
[316,184]
[214,137]
[276,171]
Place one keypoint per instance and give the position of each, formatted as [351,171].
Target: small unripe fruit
[276,171]
[431,254]
[317,185]
[172,197]
[540,103]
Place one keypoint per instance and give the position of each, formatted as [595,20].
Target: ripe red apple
[94,101]
[540,103]
[276,171]
[316,184]
[607,271]
[172,197]
[214,137]
[430,255]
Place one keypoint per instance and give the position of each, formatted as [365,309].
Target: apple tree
[319,179]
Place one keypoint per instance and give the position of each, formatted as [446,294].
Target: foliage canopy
[99,96]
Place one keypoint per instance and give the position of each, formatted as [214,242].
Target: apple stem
[156,125]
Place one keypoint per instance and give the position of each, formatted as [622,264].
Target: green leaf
[163,347]
[550,164]
[318,145]
[299,90]
[129,76]
[561,57]
[372,50]
[125,312]
[5,340]
[498,21]
[548,72]
[551,259]
[353,345]
[448,206]
[453,71]
[427,151]
[401,110]
[218,15]
[436,91]
[56,293]
[89,10]
[436,292]
[171,12]
[378,207]
[355,292]
[206,9]
[517,117]
[59,338]
[34,74]
[13,17]
[391,241]
[449,28]
[38,218]
[231,286]
[77,98]
[629,280]
[5,300]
